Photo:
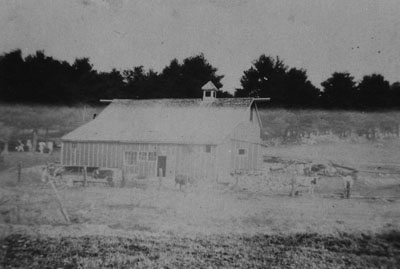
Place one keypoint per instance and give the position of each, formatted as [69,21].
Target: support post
[123,179]
[348,189]
[160,175]
[293,185]
[84,176]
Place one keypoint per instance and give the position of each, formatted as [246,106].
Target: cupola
[209,91]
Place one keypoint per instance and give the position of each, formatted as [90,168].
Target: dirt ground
[250,224]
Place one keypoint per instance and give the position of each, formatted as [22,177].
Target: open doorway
[161,166]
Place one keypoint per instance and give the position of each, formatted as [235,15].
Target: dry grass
[277,121]
[260,251]
[62,118]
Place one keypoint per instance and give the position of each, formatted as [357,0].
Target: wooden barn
[201,138]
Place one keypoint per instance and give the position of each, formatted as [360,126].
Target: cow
[309,182]
[107,174]
[182,180]
[20,147]
[348,182]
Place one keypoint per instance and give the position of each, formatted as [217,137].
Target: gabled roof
[181,121]
[209,86]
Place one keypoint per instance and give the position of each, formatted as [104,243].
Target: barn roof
[182,121]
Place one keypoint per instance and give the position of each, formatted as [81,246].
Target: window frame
[130,158]
[207,149]
[242,154]
[152,153]
[142,156]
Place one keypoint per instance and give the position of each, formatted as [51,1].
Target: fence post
[84,176]
[123,179]
[348,190]
[19,171]
[293,185]
[160,176]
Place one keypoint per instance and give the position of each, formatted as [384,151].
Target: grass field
[50,122]
[292,125]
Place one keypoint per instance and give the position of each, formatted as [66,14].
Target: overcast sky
[321,36]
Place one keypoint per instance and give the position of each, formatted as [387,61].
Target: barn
[205,138]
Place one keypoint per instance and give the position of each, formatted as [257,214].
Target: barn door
[161,166]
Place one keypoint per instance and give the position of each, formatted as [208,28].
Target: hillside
[309,126]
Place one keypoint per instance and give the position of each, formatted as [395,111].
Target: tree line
[41,79]
[290,88]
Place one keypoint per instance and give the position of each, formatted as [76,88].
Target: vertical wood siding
[249,161]
[191,160]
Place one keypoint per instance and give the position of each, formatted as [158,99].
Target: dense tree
[263,79]
[141,84]
[11,75]
[184,80]
[270,77]
[395,94]
[177,80]
[41,79]
[300,92]
[339,91]
[374,92]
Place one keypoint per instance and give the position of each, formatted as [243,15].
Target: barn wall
[250,160]
[191,160]
[91,154]
[223,163]
[245,137]
[229,159]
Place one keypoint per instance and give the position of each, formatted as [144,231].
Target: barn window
[152,156]
[241,151]
[208,148]
[142,156]
[130,158]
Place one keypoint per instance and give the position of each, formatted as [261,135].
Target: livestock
[50,147]
[42,146]
[107,174]
[182,180]
[348,182]
[20,147]
[29,145]
[309,182]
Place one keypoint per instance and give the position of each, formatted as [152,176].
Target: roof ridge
[153,99]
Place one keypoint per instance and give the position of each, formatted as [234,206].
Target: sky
[321,36]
